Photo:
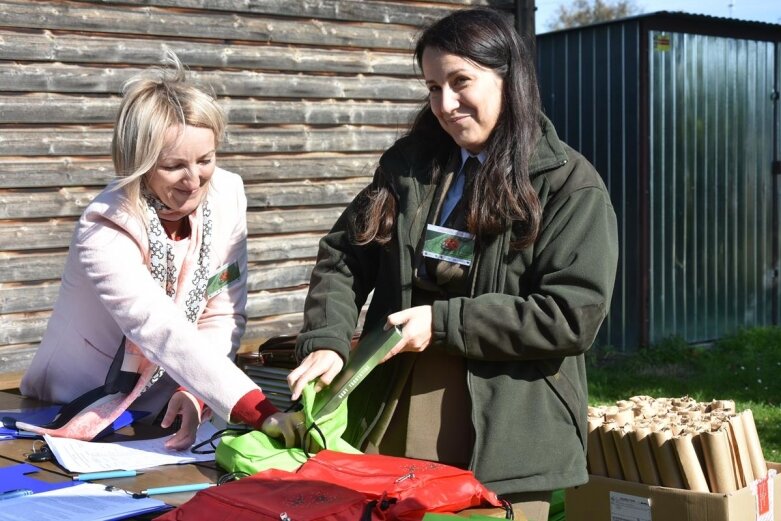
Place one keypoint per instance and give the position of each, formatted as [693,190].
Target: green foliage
[745,367]
[585,12]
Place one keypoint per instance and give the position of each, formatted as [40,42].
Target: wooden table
[16,451]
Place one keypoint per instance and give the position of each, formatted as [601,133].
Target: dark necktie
[456,191]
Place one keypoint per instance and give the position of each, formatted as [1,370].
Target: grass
[745,367]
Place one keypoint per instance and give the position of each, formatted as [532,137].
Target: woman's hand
[286,425]
[415,324]
[323,363]
[185,405]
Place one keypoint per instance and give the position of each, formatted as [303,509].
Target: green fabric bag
[254,451]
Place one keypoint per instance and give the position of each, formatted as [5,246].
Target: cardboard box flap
[592,502]
[684,505]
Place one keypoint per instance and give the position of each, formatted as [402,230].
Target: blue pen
[26,434]
[106,475]
[13,494]
[194,487]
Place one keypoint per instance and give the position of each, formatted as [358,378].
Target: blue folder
[16,477]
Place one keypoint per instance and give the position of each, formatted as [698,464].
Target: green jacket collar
[550,151]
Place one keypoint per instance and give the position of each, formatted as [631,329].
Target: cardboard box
[606,499]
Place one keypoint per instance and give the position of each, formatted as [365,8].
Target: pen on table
[106,475]
[13,494]
[26,434]
[194,487]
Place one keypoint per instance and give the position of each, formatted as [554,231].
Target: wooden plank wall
[314,91]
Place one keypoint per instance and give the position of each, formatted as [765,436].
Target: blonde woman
[151,307]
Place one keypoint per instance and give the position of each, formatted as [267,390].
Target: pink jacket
[107,291]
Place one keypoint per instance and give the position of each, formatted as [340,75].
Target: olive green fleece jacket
[524,328]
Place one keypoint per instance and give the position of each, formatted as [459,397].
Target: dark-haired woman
[493,245]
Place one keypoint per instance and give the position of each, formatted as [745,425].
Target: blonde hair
[154,101]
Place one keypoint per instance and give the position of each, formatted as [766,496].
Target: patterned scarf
[188,291]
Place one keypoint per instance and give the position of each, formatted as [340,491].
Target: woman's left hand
[322,364]
[185,405]
[415,324]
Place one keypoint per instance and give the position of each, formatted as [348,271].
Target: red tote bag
[275,495]
[406,488]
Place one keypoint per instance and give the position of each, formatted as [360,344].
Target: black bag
[269,366]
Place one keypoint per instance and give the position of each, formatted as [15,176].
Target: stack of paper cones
[675,442]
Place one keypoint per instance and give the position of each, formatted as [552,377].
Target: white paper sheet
[87,456]
[86,502]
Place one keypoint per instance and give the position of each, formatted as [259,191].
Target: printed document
[89,456]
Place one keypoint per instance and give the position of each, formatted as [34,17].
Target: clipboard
[371,349]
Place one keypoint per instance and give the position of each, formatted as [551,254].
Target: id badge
[225,275]
[449,245]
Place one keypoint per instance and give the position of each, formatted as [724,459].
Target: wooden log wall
[314,91]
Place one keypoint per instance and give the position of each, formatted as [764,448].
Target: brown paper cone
[691,470]
[722,405]
[645,411]
[690,416]
[646,463]
[701,426]
[697,444]
[609,451]
[718,460]
[741,448]
[595,455]
[596,411]
[619,416]
[758,465]
[737,474]
[675,428]
[666,462]
[625,455]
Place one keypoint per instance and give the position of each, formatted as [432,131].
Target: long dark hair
[503,192]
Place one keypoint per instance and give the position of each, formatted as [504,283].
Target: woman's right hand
[182,404]
[323,364]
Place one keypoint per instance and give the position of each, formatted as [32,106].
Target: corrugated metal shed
[679,113]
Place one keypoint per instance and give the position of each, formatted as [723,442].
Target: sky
[755,10]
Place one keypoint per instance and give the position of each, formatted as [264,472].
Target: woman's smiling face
[181,176]
[465,97]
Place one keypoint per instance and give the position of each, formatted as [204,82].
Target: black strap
[198,448]
[117,380]
[368,508]
[307,437]
[508,509]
